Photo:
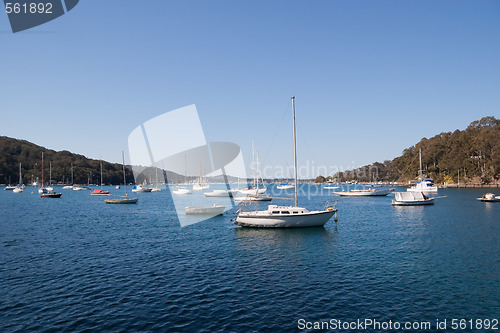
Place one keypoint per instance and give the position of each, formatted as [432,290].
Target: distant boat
[220,193]
[205,210]
[156,188]
[251,197]
[285,186]
[331,187]
[141,188]
[489,197]
[68,187]
[424,184]
[365,193]
[411,199]
[255,190]
[81,188]
[182,190]
[9,188]
[100,191]
[20,187]
[125,199]
[45,192]
[48,194]
[282,216]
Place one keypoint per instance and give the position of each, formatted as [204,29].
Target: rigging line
[407,167]
[280,124]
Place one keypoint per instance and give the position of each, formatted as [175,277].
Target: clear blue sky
[370,77]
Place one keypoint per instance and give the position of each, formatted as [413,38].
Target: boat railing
[330,204]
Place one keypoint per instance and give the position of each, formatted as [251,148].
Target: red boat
[99,192]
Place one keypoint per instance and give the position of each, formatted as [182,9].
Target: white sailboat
[20,187]
[183,190]
[253,194]
[68,187]
[50,188]
[255,190]
[125,199]
[286,216]
[156,188]
[424,184]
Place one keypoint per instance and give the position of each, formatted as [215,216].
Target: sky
[371,78]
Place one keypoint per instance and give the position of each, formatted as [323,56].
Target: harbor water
[75,264]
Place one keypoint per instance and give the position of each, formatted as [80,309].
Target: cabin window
[275,212]
[285,212]
[295,212]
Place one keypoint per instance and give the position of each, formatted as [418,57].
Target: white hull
[182,191]
[253,198]
[9,188]
[155,189]
[285,187]
[430,189]
[200,187]
[365,193]
[489,197]
[253,191]
[17,190]
[268,219]
[330,187]
[67,187]
[142,190]
[205,210]
[411,199]
[219,193]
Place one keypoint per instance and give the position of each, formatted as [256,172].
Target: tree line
[468,156]
[85,170]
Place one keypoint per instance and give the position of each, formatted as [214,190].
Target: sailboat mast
[20,177]
[101,175]
[124,179]
[294,149]
[50,173]
[42,170]
[420,171]
[72,182]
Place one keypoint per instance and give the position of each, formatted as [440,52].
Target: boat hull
[311,219]
[205,210]
[121,201]
[413,203]
[375,193]
[51,195]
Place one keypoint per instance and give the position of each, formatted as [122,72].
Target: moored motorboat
[99,192]
[411,199]
[489,197]
[424,184]
[141,188]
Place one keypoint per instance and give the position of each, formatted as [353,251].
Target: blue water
[76,264]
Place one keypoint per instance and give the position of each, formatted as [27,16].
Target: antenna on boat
[294,149]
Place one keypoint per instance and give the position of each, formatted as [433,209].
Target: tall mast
[72,182]
[294,149]
[50,173]
[101,174]
[253,165]
[20,178]
[42,170]
[124,179]
[420,171]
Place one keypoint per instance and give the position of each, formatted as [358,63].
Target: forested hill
[473,152]
[13,152]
